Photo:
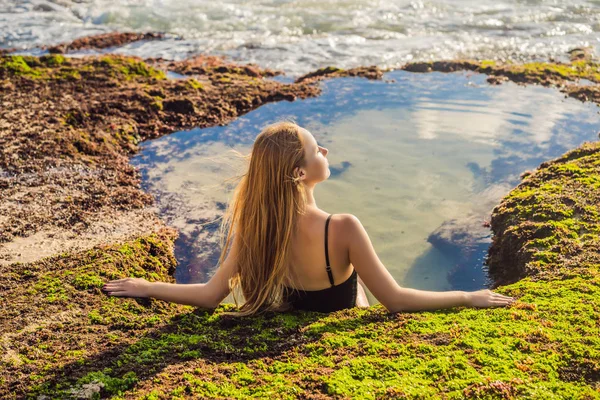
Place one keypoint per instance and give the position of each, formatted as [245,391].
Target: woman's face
[315,157]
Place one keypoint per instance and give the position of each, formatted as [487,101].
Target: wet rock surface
[372,72]
[103,41]
[203,64]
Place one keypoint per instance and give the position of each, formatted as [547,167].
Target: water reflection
[421,160]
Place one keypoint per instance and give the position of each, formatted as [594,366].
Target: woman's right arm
[395,298]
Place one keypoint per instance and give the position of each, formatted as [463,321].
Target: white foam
[300,36]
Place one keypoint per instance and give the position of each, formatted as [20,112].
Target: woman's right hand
[487,298]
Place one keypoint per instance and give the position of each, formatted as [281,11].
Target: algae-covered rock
[549,225]
[102,41]
[372,72]
[535,72]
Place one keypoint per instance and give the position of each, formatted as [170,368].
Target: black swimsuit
[334,298]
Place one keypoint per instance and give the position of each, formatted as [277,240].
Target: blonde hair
[263,214]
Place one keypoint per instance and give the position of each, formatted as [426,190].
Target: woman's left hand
[131,287]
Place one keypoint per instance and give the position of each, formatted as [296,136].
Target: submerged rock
[465,239]
[457,236]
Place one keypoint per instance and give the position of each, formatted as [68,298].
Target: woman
[286,253]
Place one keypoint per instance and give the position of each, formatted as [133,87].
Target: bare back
[308,254]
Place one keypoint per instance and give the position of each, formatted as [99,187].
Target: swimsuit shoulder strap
[328,267]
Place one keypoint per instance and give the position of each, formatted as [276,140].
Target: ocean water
[300,36]
[408,155]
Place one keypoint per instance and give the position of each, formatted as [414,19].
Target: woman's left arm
[205,295]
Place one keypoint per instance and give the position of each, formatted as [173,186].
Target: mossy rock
[58,67]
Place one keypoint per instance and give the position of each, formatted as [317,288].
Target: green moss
[51,288]
[53,60]
[67,73]
[543,243]
[45,67]
[140,68]
[17,65]
[575,70]
[194,84]
[111,385]
[538,72]
[86,281]
[382,352]
[109,60]
[157,103]
[554,217]
[131,68]
[127,249]
[592,181]
[487,63]
[154,395]
[329,70]
[128,133]
[546,256]
[572,169]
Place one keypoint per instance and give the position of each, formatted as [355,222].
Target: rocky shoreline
[72,216]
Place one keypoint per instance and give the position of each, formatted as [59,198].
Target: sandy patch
[108,227]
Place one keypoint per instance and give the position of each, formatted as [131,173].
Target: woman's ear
[299,174]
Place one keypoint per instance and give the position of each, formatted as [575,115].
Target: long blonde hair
[263,214]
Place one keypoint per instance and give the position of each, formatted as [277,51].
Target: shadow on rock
[200,334]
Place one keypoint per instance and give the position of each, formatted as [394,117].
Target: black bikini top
[333,298]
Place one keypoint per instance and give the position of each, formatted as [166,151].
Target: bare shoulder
[345,219]
[347,226]
[347,222]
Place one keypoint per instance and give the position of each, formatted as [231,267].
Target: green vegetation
[542,72]
[60,68]
[328,70]
[130,68]
[53,60]
[16,65]
[194,84]
[577,69]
